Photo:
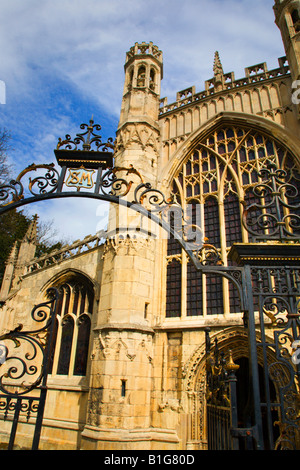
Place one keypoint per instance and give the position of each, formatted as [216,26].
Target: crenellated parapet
[222,82]
[261,92]
[143,49]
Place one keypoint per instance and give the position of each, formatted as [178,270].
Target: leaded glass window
[174,289]
[194,291]
[218,174]
[73,326]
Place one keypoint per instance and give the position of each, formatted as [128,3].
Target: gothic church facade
[128,369]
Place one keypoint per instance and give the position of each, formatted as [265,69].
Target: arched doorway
[234,339]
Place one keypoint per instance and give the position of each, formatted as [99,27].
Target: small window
[295,16]
[152,80]
[81,357]
[67,334]
[141,78]
[131,77]
[296,20]
[123,388]
[194,291]
[146,310]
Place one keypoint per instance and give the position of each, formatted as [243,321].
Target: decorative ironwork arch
[91,173]
[88,173]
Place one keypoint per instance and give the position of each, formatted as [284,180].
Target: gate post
[249,320]
[272,270]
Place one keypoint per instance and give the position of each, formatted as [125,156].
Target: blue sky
[62,62]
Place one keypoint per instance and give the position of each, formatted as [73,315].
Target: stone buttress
[121,376]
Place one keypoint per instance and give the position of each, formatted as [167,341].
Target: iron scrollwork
[24,368]
[277,291]
[218,369]
[90,172]
[220,397]
[276,213]
[21,373]
[87,139]
[40,185]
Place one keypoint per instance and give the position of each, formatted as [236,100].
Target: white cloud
[86,41]
[62,60]
[71,219]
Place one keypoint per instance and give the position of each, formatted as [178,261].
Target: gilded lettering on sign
[80,178]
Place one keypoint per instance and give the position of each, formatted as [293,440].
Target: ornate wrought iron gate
[271,298]
[221,398]
[267,277]
[276,293]
[273,328]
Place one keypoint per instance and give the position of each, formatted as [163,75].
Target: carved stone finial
[31,233]
[218,69]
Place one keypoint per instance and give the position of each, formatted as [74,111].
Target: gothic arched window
[296,20]
[73,326]
[218,175]
[152,80]
[141,76]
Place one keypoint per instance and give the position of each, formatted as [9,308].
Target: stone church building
[128,367]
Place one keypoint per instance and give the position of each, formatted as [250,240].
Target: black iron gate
[221,398]
[271,305]
[24,359]
[266,276]
[273,329]
[276,294]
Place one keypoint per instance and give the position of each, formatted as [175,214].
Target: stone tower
[119,408]
[287,18]
[138,134]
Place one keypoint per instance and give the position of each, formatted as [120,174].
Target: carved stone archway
[194,373]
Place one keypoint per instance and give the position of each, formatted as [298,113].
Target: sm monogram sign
[80,178]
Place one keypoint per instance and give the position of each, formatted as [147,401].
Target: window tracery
[218,174]
[73,327]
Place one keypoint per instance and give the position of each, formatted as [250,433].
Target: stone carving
[139,134]
[171,404]
[111,344]
[125,245]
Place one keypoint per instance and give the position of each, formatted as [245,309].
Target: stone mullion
[183,285]
[226,303]
[59,332]
[57,346]
[74,345]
